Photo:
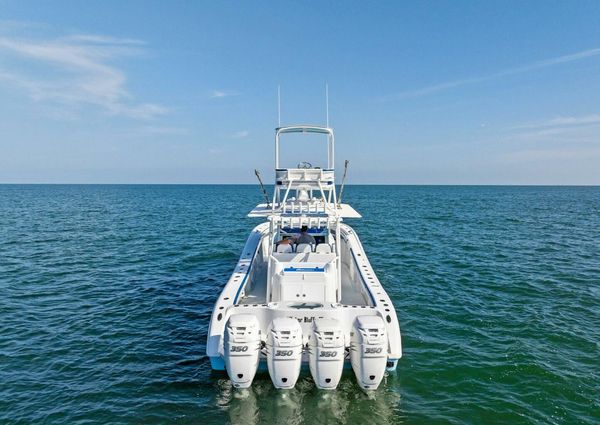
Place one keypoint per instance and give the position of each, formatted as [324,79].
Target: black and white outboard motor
[242,348]
[368,351]
[284,352]
[326,353]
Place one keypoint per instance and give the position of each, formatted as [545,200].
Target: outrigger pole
[264,191]
[346,162]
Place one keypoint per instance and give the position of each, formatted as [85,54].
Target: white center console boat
[303,293]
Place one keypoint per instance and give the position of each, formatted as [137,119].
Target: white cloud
[571,130]
[553,154]
[563,121]
[223,93]
[168,131]
[76,71]
[575,138]
[504,73]
[240,134]
[103,39]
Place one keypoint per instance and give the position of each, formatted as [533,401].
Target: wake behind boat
[303,292]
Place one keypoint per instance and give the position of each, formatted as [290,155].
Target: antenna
[279,104]
[327,102]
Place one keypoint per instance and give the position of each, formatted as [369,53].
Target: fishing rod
[264,191]
[346,162]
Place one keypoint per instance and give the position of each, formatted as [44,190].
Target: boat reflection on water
[305,404]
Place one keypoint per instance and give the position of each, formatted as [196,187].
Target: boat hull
[362,295]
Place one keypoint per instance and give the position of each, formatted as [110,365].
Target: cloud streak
[240,134]
[538,155]
[504,73]
[216,94]
[571,133]
[166,131]
[76,71]
[563,121]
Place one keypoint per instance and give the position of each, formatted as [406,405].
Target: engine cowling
[368,351]
[284,352]
[242,349]
[326,353]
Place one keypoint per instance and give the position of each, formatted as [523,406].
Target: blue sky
[185,92]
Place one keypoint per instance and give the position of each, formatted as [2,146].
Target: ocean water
[106,294]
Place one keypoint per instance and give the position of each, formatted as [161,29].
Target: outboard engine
[368,351]
[326,353]
[284,352]
[242,348]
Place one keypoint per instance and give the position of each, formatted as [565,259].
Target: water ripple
[107,292]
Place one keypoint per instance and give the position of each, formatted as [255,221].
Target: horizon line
[337,184]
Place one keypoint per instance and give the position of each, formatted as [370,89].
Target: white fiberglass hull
[363,314]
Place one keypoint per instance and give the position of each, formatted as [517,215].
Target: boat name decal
[305,319]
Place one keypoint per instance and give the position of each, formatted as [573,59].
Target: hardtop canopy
[306,129]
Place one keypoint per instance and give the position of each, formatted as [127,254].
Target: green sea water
[106,293]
